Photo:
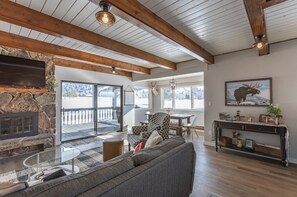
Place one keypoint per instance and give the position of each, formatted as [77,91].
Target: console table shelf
[280,130]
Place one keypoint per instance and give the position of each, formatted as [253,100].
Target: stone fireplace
[20,110]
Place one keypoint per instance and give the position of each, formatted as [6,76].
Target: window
[166,98]
[142,97]
[198,97]
[184,97]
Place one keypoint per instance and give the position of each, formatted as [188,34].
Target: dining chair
[191,128]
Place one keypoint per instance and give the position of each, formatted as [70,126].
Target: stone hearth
[43,103]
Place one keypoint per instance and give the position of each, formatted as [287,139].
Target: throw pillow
[138,147]
[154,139]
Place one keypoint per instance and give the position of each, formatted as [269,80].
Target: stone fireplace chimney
[23,109]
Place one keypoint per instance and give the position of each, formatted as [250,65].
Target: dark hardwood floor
[231,174]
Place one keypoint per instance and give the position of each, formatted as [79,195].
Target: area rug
[210,194]
[84,161]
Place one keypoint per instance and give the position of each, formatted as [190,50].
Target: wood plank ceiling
[219,26]
[281,21]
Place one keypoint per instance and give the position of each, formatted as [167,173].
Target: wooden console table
[280,130]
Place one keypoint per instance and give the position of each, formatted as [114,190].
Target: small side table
[112,147]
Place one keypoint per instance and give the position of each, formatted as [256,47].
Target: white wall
[197,80]
[140,112]
[183,68]
[281,65]
[69,74]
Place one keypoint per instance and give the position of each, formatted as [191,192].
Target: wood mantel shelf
[43,90]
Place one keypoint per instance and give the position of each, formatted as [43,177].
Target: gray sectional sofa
[165,170]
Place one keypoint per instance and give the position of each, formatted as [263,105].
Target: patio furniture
[112,147]
[159,121]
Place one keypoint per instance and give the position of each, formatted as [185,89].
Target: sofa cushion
[147,154]
[78,183]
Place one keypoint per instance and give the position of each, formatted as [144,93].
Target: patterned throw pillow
[138,147]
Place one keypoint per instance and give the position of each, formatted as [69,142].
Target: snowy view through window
[141,97]
[187,97]
[78,95]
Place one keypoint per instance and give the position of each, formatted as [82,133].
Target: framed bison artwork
[253,92]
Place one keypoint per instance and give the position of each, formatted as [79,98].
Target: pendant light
[113,70]
[259,44]
[105,17]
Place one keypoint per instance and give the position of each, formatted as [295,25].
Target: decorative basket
[225,141]
[268,150]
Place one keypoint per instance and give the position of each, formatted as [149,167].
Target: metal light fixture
[259,44]
[105,17]
[113,70]
[172,84]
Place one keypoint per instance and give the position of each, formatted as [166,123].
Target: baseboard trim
[209,143]
[293,160]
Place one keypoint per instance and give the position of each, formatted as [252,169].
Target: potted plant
[275,112]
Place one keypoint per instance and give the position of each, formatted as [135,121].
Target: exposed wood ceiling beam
[269,3]
[20,42]
[139,15]
[255,12]
[257,21]
[89,67]
[26,17]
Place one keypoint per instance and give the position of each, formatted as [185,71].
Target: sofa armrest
[136,130]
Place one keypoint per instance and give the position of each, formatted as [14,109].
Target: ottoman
[112,147]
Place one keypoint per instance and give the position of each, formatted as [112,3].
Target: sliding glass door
[77,110]
[89,110]
[109,108]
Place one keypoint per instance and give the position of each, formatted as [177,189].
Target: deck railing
[86,115]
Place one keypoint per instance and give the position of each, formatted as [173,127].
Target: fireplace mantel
[5,89]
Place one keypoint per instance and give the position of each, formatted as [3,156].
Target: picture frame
[250,92]
[128,97]
[250,144]
[263,118]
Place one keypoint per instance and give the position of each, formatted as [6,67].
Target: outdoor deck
[77,131]
[79,122]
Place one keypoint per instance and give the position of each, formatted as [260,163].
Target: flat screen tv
[20,72]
